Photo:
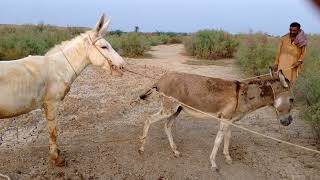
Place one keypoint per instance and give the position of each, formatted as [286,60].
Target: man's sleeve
[303,52]
[278,53]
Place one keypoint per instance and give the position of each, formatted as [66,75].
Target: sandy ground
[98,133]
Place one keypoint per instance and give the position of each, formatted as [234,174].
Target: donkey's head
[100,52]
[283,99]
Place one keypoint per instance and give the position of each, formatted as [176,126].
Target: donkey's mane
[261,80]
[64,44]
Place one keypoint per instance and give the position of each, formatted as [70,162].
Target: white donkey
[38,82]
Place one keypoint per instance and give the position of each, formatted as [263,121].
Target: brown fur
[213,94]
[198,91]
[226,99]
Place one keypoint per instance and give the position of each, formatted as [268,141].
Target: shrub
[256,53]
[211,44]
[133,44]
[175,40]
[154,40]
[20,41]
[115,41]
[308,86]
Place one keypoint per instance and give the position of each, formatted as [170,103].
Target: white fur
[38,82]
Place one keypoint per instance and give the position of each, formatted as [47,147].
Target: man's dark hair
[295,24]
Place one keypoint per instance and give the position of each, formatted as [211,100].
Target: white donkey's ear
[283,80]
[100,23]
[105,27]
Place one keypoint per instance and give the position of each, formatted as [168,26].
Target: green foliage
[308,85]
[312,115]
[211,44]
[133,45]
[256,53]
[20,41]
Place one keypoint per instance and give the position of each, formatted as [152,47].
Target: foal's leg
[227,137]
[217,143]
[50,110]
[167,129]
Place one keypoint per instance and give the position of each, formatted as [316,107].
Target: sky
[270,16]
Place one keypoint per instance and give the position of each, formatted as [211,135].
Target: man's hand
[275,67]
[298,63]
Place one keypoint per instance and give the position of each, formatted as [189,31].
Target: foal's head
[101,53]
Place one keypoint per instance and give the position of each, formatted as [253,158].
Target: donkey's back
[22,85]
[205,93]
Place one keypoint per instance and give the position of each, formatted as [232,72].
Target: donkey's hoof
[228,160]
[215,169]
[60,162]
[177,154]
[141,150]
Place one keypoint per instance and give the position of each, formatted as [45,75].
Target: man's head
[294,29]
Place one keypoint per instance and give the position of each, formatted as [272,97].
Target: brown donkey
[38,82]
[225,99]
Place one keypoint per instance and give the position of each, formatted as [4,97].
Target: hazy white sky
[271,16]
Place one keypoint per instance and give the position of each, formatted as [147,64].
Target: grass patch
[20,41]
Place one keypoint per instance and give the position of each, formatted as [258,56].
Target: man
[291,51]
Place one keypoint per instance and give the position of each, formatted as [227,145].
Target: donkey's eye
[291,100]
[104,47]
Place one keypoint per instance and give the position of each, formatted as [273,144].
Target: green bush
[308,86]
[115,41]
[133,44]
[256,53]
[312,116]
[20,41]
[211,44]
[154,40]
[175,40]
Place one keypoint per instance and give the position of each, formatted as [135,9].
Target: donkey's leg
[161,115]
[217,143]
[227,137]
[167,129]
[50,110]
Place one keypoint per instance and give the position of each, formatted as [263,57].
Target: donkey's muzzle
[117,71]
[286,121]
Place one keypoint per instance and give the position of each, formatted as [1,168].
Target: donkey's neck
[76,57]
[70,60]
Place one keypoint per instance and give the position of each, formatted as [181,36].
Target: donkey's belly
[197,114]
[21,88]
[11,106]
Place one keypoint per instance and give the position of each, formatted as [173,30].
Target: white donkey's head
[101,53]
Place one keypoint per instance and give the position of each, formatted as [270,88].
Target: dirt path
[98,133]
[171,57]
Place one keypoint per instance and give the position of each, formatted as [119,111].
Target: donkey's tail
[148,92]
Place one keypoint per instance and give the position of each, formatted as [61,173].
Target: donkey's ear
[103,31]
[283,80]
[100,23]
